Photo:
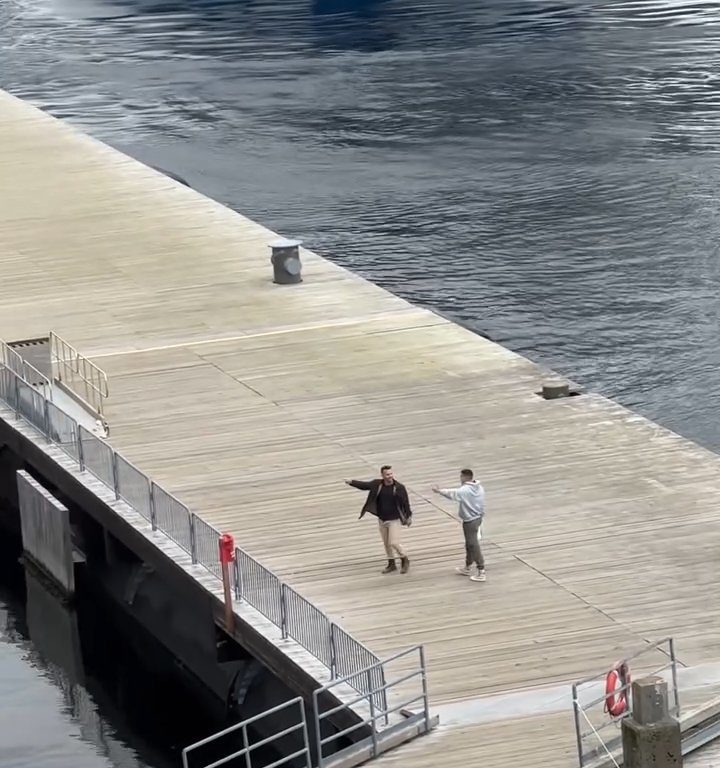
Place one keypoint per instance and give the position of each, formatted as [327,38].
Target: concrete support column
[650,736]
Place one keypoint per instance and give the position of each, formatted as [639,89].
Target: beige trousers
[390,534]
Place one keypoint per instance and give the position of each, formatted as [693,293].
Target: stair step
[37,353]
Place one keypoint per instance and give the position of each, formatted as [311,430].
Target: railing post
[373,722]
[17,396]
[383,692]
[426,702]
[333,652]
[246,747]
[673,662]
[283,612]
[193,543]
[306,738]
[83,374]
[116,486]
[238,577]
[153,511]
[578,732]
[81,453]
[318,732]
[46,419]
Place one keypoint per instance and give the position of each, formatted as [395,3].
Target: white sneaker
[479,576]
[464,571]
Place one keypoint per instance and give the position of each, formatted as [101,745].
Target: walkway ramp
[60,372]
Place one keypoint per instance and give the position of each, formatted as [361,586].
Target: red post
[227,556]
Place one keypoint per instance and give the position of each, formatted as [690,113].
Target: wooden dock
[251,402]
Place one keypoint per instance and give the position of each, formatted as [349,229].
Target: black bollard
[286,261]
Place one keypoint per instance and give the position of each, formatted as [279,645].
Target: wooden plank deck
[251,402]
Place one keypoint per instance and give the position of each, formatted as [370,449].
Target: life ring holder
[617,689]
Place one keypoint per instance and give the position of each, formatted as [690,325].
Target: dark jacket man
[401,511]
[388,500]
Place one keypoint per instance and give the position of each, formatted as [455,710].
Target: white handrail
[78,373]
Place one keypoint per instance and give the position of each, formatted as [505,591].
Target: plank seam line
[585,602]
[278,332]
[223,372]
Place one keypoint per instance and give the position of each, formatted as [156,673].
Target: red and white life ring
[617,690]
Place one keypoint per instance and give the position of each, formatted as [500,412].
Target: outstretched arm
[448,493]
[361,484]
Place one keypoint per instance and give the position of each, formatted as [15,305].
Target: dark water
[544,171]
[76,692]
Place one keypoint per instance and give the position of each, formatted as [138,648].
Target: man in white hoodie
[471,510]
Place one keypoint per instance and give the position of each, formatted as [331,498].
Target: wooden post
[651,738]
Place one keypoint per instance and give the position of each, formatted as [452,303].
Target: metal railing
[26,371]
[98,458]
[249,748]
[596,730]
[63,431]
[308,625]
[260,587]
[254,584]
[79,374]
[410,689]
[205,548]
[408,686]
[172,518]
[133,487]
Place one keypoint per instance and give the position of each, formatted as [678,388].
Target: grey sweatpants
[473,553]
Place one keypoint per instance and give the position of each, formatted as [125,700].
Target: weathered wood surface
[252,401]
